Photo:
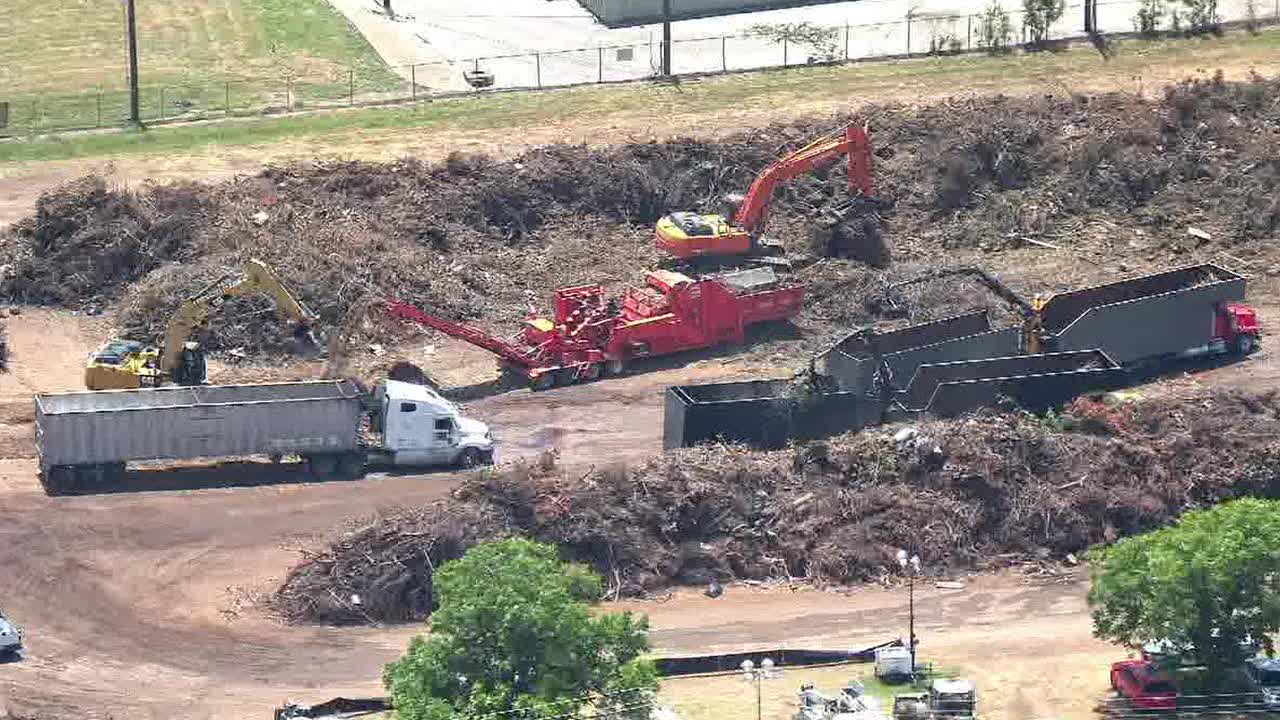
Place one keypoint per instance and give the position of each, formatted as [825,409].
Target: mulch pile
[471,237]
[961,493]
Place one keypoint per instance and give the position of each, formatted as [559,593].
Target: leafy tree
[1206,584]
[513,634]
[824,41]
[994,28]
[1040,15]
[1147,19]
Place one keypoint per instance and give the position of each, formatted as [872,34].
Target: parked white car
[1264,676]
[10,637]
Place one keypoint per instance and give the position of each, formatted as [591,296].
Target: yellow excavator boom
[126,364]
[192,315]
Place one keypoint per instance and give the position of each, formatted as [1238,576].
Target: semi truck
[1089,340]
[86,440]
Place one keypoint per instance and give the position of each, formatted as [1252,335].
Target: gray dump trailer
[87,439]
[1089,339]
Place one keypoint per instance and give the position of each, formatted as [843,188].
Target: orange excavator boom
[851,141]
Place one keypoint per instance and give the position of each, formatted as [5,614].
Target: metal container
[760,413]
[963,337]
[170,423]
[1143,318]
[1034,382]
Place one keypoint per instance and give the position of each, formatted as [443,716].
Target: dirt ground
[195,643]
[144,604]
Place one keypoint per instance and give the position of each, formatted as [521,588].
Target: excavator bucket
[852,230]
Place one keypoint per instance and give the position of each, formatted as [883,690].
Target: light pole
[751,673]
[912,567]
[135,116]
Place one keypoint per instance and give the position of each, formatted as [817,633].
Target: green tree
[513,634]
[1040,15]
[994,28]
[1205,584]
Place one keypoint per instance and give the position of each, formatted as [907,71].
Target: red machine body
[591,335]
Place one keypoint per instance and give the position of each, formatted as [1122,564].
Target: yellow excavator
[126,364]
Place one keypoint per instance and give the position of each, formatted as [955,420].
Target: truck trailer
[86,440]
[1088,340]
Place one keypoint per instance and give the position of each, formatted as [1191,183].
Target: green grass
[800,87]
[62,61]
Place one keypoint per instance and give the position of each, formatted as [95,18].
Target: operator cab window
[408,407]
[444,428]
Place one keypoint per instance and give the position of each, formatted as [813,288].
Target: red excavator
[690,236]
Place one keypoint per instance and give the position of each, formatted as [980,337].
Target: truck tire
[470,458]
[1245,344]
[351,466]
[591,372]
[545,381]
[615,367]
[59,480]
[322,467]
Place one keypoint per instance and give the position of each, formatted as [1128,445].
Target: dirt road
[142,604]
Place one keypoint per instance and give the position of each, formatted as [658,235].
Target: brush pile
[957,492]
[471,238]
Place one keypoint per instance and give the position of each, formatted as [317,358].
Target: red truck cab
[1236,325]
[1145,685]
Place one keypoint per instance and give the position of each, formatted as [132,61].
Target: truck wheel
[322,467]
[59,480]
[351,466]
[1244,344]
[591,372]
[615,367]
[544,381]
[469,458]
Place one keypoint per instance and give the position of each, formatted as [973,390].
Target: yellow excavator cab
[122,365]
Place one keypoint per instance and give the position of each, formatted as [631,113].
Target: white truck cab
[420,427]
[10,637]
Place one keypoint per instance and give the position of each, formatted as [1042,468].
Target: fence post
[413,82]
[537,67]
[968,32]
[908,35]
[226,98]
[846,39]
[288,94]
[99,106]
[351,87]
[724,53]
[162,104]
[600,64]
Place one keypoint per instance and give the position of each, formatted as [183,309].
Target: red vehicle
[592,336]
[1145,685]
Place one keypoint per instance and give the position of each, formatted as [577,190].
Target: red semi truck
[591,335]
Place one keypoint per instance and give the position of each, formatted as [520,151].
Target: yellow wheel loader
[126,364]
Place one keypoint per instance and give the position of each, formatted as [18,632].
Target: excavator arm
[194,312]
[851,141]
[1032,323]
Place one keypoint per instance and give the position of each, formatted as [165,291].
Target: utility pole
[135,114]
[666,38]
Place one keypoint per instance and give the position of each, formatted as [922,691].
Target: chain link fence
[919,35]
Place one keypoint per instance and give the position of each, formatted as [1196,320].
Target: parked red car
[1146,686]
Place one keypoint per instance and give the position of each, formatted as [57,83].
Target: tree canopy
[513,634]
[1205,585]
